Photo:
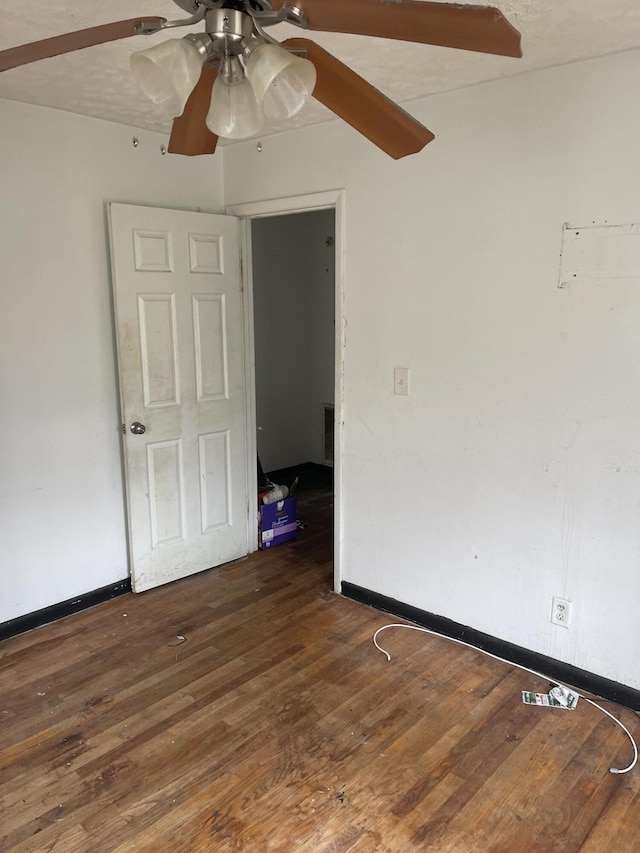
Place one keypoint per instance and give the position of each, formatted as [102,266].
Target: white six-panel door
[178,306]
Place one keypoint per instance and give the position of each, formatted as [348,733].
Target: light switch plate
[401,381]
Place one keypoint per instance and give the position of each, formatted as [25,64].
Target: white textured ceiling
[97,81]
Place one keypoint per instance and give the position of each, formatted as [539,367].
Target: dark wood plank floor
[276,726]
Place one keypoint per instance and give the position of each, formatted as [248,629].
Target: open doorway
[296,339]
[293,262]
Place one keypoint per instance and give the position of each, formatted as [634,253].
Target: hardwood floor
[275,725]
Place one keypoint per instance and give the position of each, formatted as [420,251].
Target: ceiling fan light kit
[233,80]
[234,112]
[281,81]
[168,72]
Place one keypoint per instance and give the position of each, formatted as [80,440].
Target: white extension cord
[560,692]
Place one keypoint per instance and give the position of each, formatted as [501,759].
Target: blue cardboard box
[277,523]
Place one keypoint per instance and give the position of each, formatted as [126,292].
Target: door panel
[178,307]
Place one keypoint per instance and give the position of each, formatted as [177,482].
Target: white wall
[321,326]
[293,295]
[512,472]
[62,528]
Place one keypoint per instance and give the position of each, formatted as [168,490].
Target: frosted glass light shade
[234,113]
[168,72]
[281,81]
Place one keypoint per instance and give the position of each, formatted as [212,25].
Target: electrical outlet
[561,612]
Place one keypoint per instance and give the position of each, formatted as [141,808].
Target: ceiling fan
[233,77]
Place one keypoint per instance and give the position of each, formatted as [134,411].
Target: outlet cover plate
[561,612]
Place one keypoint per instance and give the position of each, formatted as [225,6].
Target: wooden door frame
[331,199]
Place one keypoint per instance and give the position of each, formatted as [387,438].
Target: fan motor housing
[231,25]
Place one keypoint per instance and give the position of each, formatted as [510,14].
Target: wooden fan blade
[480,28]
[361,105]
[36,50]
[190,134]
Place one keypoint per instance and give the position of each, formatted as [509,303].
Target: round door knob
[137,428]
